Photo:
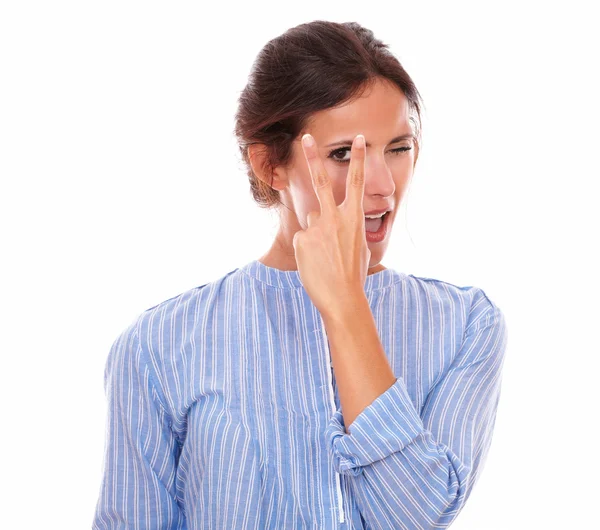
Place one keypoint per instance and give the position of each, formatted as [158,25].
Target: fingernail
[308,140]
[360,141]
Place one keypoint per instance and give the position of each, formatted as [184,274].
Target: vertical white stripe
[333,409]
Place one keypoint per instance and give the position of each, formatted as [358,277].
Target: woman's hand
[332,254]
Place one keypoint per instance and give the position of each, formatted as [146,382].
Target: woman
[313,387]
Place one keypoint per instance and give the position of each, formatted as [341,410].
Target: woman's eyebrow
[392,141]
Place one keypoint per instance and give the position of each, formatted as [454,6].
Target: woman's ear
[275,178]
[416,144]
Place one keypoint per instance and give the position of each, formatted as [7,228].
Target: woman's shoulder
[472,299]
[193,299]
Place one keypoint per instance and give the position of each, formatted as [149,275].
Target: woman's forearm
[361,368]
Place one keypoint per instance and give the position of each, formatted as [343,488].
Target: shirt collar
[291,279]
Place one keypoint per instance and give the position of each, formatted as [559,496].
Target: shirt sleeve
[141,451]
[414,471]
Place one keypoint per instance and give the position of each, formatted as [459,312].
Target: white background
[122,186]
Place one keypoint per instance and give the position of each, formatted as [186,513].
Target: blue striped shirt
[223,409]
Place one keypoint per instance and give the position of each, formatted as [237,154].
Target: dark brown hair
[311,67]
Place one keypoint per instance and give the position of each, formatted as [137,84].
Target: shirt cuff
[384,427]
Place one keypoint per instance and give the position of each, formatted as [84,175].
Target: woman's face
[381,115]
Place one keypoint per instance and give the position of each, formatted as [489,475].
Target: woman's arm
[411,470]
[141,451]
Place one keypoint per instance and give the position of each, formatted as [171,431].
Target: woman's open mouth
[376,229]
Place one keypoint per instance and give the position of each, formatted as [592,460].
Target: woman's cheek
[337,172]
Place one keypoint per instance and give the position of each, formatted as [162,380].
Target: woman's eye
[343,150]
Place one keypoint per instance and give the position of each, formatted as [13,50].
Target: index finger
[355,183]
[320,179]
